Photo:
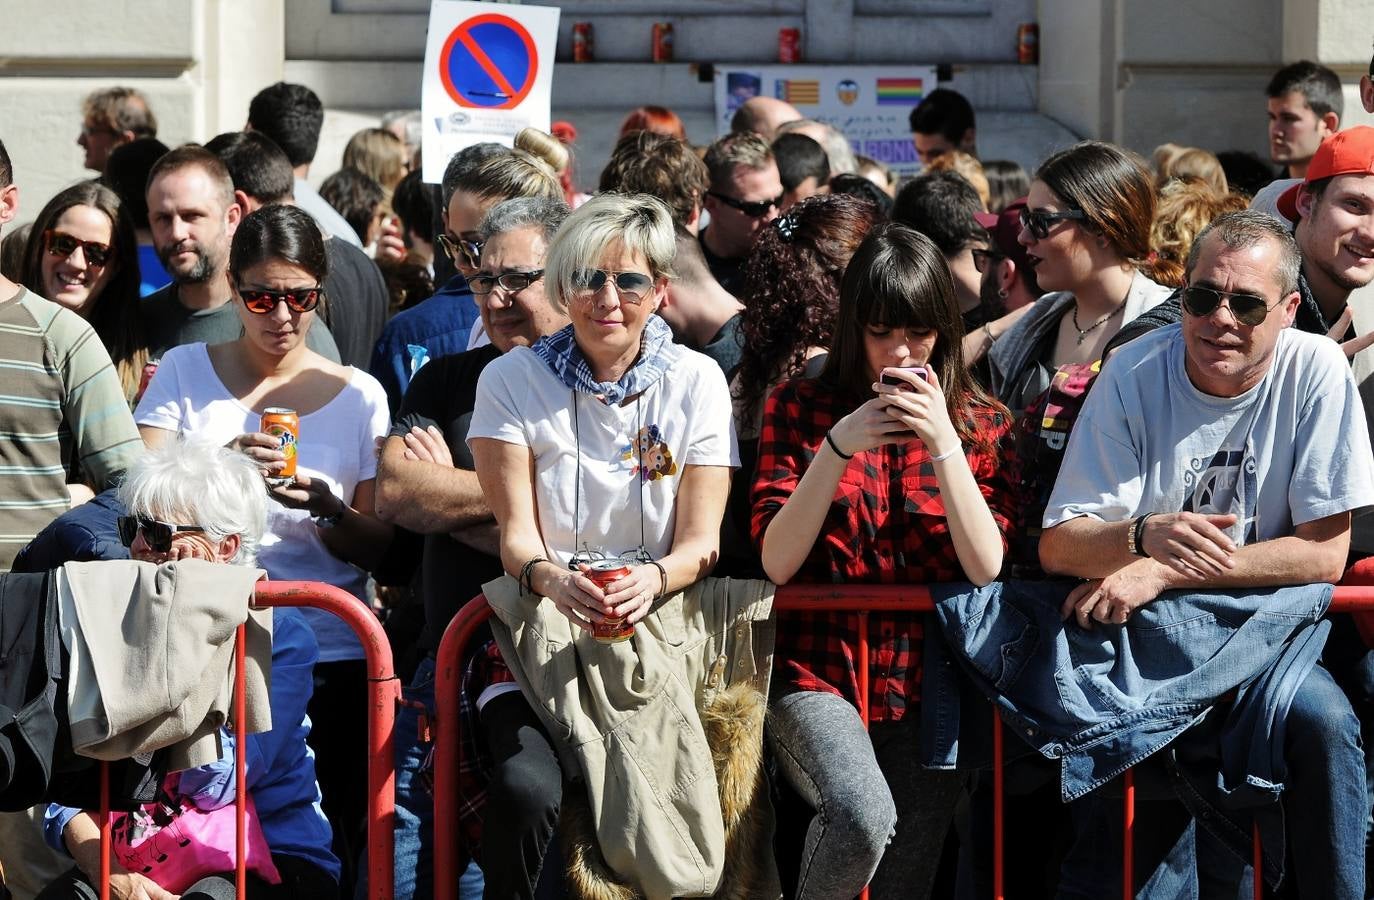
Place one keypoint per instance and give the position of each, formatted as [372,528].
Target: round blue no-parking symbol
[489,62]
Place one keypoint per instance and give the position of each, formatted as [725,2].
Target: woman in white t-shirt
[603,439]
[322,526]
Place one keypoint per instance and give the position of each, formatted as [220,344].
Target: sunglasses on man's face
[510,282]
[751,208]
[461,249]
[261,302]
[63,245]
[157,535]
[982,259]
[1247,309]
[1038,222]
[632,287]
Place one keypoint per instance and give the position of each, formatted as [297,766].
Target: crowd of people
[1115,411]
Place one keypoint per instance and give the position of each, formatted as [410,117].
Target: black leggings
[300,880]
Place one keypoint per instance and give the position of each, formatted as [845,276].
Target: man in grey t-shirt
[1230,451]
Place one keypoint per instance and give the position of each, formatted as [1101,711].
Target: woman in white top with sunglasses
[322,525]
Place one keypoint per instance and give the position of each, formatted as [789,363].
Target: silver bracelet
[946,455]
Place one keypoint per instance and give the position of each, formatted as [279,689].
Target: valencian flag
[805,93]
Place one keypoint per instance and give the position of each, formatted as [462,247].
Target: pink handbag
[175,844]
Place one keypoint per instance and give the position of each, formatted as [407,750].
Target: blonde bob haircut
[641,223]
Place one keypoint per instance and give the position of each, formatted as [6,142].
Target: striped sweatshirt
[60,398]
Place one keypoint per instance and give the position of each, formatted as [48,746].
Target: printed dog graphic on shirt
[655,459]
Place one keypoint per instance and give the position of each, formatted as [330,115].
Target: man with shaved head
[763,116]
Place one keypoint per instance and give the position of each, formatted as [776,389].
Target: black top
[357,302]
[727,347]
[443,393]
[729,272]
[168,324]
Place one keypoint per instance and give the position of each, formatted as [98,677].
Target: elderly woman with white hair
[602,441]
[195,500]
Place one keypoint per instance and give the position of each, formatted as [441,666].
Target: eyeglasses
[1248,309]
[63,245]
[158,535]
[630,286]
[471,250]
[984,258]
[1038,222]
[510,282]
[93,130]
[263,302]
[751,208]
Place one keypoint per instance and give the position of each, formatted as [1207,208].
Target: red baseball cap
[1003,228]
[1349,152]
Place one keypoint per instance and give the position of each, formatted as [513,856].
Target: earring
[1001,293]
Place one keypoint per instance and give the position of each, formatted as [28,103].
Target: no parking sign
[488,74]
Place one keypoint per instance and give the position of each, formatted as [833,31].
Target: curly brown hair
[792,282]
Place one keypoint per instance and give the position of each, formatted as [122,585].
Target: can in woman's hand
[604,573]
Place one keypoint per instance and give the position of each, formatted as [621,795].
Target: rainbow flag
[807,93]
[899,91]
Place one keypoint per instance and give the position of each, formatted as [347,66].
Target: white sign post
[870,104]
[488,74]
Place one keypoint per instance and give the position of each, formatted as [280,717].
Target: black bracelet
[836,447]
[663,573]
[526,579]
[1138,535]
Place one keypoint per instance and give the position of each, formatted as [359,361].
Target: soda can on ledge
[663,42]
[583,50]
[284,425]
[1028,44]
[789,45]
[604,573]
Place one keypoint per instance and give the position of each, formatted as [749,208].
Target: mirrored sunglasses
[63,245]
[158,535]
[262,302]
[461,249]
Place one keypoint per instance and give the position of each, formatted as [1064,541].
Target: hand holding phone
[887,376]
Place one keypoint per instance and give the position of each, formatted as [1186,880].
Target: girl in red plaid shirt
[864,481]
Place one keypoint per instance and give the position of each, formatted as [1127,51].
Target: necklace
[1084,332]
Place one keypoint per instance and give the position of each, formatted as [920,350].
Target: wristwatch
[332,519]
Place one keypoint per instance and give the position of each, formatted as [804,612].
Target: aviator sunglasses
[470,250]
[63,245]
[158,534]
[630,286]
[261,302]
[1247,309]
[751,208]
[1038,222]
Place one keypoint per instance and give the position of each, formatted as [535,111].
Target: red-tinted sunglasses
[262,302]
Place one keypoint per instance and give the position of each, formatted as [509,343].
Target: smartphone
[896,381]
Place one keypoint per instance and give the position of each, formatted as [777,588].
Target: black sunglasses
[157,534]
[631,286]
[983,258]
[262,302]
[471,250]
[1247,309]
[751,208]
[1038,222]
[63,245]
[510,282]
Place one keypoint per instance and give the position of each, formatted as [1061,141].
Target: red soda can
[284,425]
[663,42]
[789,45]
[582,42]
[604,573]
[1028,44]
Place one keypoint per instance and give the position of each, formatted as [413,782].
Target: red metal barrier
[1355,596]
[384,692]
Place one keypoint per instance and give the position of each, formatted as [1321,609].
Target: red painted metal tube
[240,766]
[1128,836]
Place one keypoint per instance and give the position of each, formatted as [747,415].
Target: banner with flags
[870,104]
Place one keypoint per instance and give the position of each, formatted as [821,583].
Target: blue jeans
[1324,805]
[414,822]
